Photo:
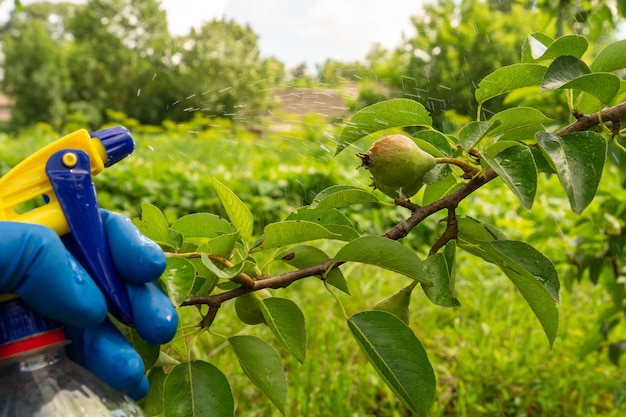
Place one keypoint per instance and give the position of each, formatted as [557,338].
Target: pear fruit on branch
[397,165]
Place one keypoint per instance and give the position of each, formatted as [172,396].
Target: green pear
[397,165]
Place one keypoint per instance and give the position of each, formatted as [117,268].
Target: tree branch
[585,122]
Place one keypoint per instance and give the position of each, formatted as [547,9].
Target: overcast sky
[296,31]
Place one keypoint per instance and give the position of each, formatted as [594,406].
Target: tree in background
[67,61]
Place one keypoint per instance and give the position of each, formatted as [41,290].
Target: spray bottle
[36,377]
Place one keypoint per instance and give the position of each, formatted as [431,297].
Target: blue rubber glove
[35,265]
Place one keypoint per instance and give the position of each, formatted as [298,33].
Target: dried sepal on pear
[397,165]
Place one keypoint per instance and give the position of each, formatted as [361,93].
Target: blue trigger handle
[70,176]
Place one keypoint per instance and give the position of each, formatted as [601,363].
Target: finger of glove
[35,265]
[137,258]
[106,352]
[156,319]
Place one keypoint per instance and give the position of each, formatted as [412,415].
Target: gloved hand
[35,265]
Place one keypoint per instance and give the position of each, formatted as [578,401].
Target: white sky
[296,31]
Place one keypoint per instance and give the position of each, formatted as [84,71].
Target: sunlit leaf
[227,273]
[509,78]
[563,70]
[604,86]
[384,253]
[263,366]
[380,116]
[441,270]
[517,119]
[611,58]
[286,321]
[178,279]
[398,356]
[514,163]
[294,231]
[579,160]
[197,389]
[154,226]
[237,211]
[338,196]
[201,225]
[538,46]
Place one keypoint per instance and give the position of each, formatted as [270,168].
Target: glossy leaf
[514,163]
[602,85]
[286,321]
[441,270]
[197,389]
[227,273]
[304,256]
[178,279]
[515,119]
[433,142]
[579,160]
[263,366]
[338,196]
[237,211]
[509,78]
[534,46]
[611,58]
[381,116]
[398,356]
[294,231]
[384,253]
[563,70]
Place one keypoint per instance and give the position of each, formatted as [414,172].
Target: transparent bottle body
[48,384]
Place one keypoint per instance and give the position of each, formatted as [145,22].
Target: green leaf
[197,389]
[517,119]
[237,212]
[602,85]
[541,47]
[332,219]
[338,196]
[509,78]
[611,58]
[303,256]
[380,116]
[397,303]
[514,163]
[440,268]
[286,321]
[152,403]
[201,225]
[222,245]
[294,231]
[531,272]
[263,366]
[398,356]
[178,279]
[579,160]
[384,253]
[433,142]
[149,352]
[563,70]
[153,225]
[472,133]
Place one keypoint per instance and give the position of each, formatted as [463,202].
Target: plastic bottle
[37,379]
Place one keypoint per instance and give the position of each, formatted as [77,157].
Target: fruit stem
[469,170]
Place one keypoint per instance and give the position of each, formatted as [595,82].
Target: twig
[452,227]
